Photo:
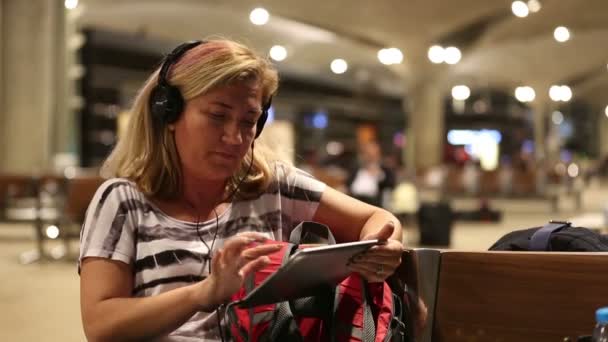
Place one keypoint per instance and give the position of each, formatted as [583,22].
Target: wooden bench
[22,201]
[508,296]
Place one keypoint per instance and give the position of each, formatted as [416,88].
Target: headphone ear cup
[175,105]
[260,124]
[166,103]
[158,102]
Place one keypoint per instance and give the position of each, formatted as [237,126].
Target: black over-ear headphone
[262,120]
[167,102]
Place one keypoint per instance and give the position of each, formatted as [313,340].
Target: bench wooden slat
[515,296]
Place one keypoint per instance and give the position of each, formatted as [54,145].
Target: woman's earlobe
[172,127]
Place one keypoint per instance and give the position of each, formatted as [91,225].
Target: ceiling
[498,49]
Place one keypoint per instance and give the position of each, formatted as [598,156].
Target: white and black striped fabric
[166,253]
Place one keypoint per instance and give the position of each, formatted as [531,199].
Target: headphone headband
[173,57]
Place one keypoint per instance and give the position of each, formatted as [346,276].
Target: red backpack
[355,310]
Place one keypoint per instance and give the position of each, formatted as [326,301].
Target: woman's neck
[202,194]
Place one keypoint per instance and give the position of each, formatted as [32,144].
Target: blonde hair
[147,154]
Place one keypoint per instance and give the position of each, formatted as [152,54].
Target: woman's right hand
[240,256]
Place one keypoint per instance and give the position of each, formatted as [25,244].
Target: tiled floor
[40,301]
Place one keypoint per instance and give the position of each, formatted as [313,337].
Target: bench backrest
[518,296]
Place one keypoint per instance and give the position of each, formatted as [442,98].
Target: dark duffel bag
[554,236]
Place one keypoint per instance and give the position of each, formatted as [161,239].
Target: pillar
[543,155]
[31,83]
[426,128]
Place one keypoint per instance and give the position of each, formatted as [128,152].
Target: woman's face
[216,130]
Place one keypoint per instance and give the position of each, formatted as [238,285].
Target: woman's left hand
[380,261]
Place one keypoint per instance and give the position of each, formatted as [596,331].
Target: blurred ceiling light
[520,9]
[461,92]
[573,170]
[390,56]
[561,34]
[259,16]
[278,53]
[560,93]
[525,94]
[557,117]
[436,54]
[534,6]
[339,66]
[334,148]
[606,111]
[70,4]
[566,93]
[319,120]
[555,93]
[52,232]
[452,55]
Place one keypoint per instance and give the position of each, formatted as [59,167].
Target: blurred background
[468,119]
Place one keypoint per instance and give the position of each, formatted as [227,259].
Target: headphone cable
[207,258]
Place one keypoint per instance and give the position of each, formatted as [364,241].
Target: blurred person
[436,177]
[370,180]
[405,201]
[173,233]
[505,176]
[470,177]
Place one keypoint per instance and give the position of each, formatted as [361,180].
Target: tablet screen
[306,271]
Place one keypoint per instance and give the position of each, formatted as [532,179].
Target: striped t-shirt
[166,253]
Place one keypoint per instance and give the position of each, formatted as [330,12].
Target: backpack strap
[313,233]
[353,318]
[283,322]
[284,325]
[409,310]
[386,307]
[345,327]
[540,239]
[398,328]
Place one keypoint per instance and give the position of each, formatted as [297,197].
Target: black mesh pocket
[319,305]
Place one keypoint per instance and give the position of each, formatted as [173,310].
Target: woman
[173,233]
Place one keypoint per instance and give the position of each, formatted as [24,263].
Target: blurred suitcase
[435,224]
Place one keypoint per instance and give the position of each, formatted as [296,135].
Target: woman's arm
[109,313]
[351,219]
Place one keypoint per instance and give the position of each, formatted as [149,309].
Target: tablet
[305,272]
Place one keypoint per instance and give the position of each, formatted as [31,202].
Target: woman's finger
[383,252]
[254,266]
[216,261]
[380,270]
[259,237]
[370,276]
[255,252]
[392,260]
[391,248]
[236,244]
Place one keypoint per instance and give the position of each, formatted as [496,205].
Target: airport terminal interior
[484,116]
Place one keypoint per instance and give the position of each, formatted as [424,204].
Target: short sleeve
[110,224]
[300,193]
